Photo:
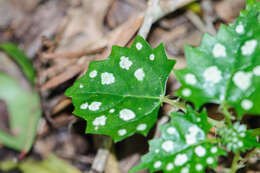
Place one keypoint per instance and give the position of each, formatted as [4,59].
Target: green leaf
[51,164]
[121,96]
[226,68]
[237,138]
[20,57]
[24,113]
[183,147]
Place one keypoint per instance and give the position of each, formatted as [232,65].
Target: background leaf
[24,113]
[121,96]
[51,164]
[226,69]
[183,147]
[20,57]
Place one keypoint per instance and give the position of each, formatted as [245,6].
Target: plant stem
[182,106]
[235,162]
[174,103]
[226,113]
[216,123]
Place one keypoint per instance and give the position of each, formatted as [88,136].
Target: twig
[195,19]
[161,121]
[209,16]
[102,156]
[73,54]
[156,10]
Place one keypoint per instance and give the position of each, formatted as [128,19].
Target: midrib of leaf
[118,95]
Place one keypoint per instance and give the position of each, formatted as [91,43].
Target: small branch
[157,9]
[73,54]
[102,156]
[195,19]
[153,6]
[162,121]
[235,163]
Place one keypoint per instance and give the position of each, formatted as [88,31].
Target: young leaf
[121,96]
[24,111]
[20,57]
[183,147]
[226,69]
[237,138]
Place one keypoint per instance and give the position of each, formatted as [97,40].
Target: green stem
[226,113]
[174,103]
[235,163]
[216,123]
[182,106]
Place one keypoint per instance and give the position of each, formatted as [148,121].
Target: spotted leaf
[226,68]
[183,146]
[121,95]
[237,138]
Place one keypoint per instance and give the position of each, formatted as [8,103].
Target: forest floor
[63,36]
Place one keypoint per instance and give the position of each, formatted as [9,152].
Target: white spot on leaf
[199,167]
[152,56]
[219,50]
[127,114]
[125,63]
[240,144]
[139,46]
[186,92]
[249,47]
[257,70]
[169,166]
[81,86]
[111,110]
[180,159]
[200,151]
[139,74]
[167,146]
[107,78]
[210,160]
[191,136]
[190,139]
[141,127]
[94,106]
[190,79]
[246,104]
[212,74]
[171,130]
[240,28]
[122,132]
[157,164]
[93,74]
[213,150]
[84,106]
[242,80]
[185,170]
[100,121]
